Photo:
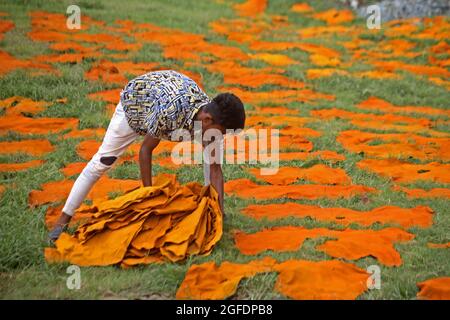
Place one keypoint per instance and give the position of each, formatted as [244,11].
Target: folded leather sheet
[166,221]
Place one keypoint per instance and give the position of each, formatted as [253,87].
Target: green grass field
[24,273]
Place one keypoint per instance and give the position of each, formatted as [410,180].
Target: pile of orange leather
[166,221]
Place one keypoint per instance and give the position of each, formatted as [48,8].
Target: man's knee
[108,161]
[98,166]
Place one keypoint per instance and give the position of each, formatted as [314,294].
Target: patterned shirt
[160,102]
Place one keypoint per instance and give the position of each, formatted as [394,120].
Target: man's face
[208,123]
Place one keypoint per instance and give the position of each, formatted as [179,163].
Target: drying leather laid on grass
[434,289]
[22,106]
[386,121]
[244,188]
[321,280]
[421,193]
[209,281]
[297,279]
[395,145]
[43,126]
[12,167]
[251,8]
[402,171]
[318,174]
[438,245]
[32,147]
[166,221]
[377,104]
[420,216]
[349,244]
[55,191]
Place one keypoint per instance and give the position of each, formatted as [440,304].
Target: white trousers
[118,137]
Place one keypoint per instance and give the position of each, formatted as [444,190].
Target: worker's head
[224,112]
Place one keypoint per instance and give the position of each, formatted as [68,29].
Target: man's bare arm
[216,177]
[145,159]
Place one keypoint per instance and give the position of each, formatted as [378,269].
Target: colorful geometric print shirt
[160,102]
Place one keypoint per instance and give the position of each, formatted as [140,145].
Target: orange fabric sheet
[349,244]
[420,216]
[245,188]
[151,224]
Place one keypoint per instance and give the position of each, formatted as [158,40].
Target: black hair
[227,110]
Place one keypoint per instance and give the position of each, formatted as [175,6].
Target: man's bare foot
[60,227]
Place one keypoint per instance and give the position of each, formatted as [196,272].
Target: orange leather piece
[22,106]
[32,147]
[297,279]
[86,133]
[115,72]
[334,16]
[319,173]
[438,245]
[250,8]
[374,103]
[73,168]
[56,191]
[322,280]
[245,188]
[421,193]
[349,244]
[10,63]
[420,216]
[5,26]
[36,125]
[209,281]
[404,172]
[11,167]
[301,7]
[386,121]
[278,96]
[434,289]
[390,145]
